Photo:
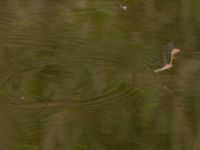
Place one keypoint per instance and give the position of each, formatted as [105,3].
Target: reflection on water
[78,75]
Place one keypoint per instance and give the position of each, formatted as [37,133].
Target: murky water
[78,75]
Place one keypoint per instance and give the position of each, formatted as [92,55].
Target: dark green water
[78,75]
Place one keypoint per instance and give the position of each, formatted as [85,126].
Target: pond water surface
[78,75]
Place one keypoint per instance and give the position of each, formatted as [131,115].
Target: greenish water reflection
[78,75]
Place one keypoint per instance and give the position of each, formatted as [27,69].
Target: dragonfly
[168,57]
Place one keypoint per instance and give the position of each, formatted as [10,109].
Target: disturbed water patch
[89,80]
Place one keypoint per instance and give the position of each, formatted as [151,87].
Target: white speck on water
[123,7]
[21,97]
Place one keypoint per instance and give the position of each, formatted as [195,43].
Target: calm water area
[79,75]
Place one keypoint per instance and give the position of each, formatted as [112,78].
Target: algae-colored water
[78,75]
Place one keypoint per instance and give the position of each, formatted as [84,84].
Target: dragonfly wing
[165,58]
[167,52]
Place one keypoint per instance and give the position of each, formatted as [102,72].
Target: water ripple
[89,80]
